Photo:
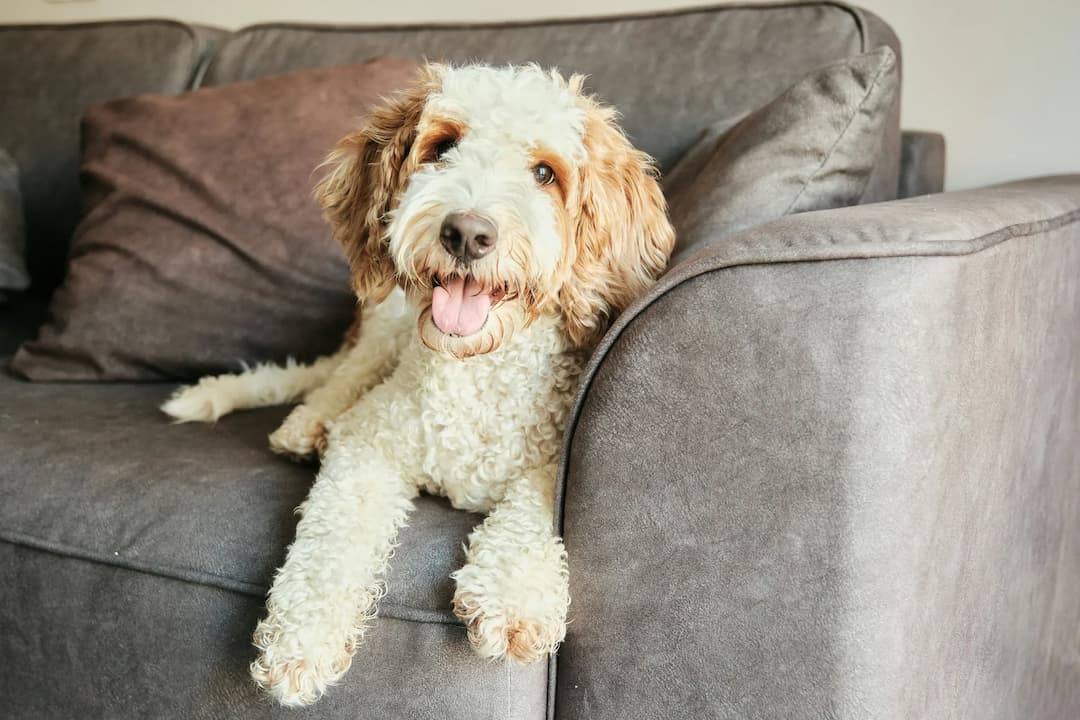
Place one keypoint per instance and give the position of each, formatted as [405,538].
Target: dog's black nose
[467,236]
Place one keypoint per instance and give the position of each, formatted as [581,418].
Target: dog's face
[494,196]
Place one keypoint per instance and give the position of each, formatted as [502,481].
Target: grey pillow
[812,148]
[13,275]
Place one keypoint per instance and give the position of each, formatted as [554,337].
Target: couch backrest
[49,74]
[669,73]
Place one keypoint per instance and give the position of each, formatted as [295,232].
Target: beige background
[1001,78]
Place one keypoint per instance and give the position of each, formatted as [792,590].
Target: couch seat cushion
[97,472]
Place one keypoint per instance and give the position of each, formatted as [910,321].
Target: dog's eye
[544,174]
[444,147]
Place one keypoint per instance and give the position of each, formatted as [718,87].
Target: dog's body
[461,376]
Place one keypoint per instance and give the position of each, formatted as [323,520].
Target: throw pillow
[812,148]
[202,246]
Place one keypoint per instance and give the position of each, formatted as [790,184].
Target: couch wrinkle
[393,610]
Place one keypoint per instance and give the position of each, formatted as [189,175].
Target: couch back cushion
[671,74]
[49,74]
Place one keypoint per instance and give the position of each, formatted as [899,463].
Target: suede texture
[13,274]
[828,468]
[145,550]
[52,74]
[691,68]
[117,483]
[202,246]
[814,147]
[110,643]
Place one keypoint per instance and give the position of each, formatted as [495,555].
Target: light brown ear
[367,173]
[624,237]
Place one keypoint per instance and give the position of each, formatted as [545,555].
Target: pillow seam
[839,138]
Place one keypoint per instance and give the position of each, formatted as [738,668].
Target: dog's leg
[385,330]
[324,595]
[261,386]
[513,591]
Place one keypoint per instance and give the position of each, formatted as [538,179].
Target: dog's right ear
[367,172]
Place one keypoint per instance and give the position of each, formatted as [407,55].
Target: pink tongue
[460,308]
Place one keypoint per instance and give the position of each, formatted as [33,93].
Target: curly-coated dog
[495,220]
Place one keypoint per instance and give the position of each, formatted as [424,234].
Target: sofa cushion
[120,531]
[95,471]
[202,246]
[49,74]
[814,147]
[86,640]
[12,227]
[669,73]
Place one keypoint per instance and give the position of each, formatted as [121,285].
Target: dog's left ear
[623,235]
[368,169]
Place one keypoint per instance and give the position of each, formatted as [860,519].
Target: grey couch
[828,468]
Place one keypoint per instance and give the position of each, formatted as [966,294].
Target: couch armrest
[922,163]
[830,467]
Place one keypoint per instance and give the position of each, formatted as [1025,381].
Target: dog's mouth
[460,305]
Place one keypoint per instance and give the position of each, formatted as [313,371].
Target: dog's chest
[480,422]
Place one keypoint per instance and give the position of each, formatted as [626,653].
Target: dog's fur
[404,407]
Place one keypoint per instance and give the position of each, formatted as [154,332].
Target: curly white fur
[408,408]
[432,426]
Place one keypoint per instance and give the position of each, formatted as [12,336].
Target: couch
[827,468]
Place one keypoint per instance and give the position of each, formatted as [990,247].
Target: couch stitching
[207,579]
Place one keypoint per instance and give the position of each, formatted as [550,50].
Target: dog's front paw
[301,436]
[296,674]
[498,632]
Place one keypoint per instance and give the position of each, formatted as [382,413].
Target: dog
[495,219]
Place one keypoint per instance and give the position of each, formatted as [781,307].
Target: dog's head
[494,196]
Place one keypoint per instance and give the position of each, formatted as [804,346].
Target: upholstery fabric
[122,531]
[107,642]
[202,246]
[118,483]
[922,164]
[812,148]
[689,68]
[52,74]
[828,468]
[13,275]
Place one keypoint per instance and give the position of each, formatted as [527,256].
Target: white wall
[1001,78]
